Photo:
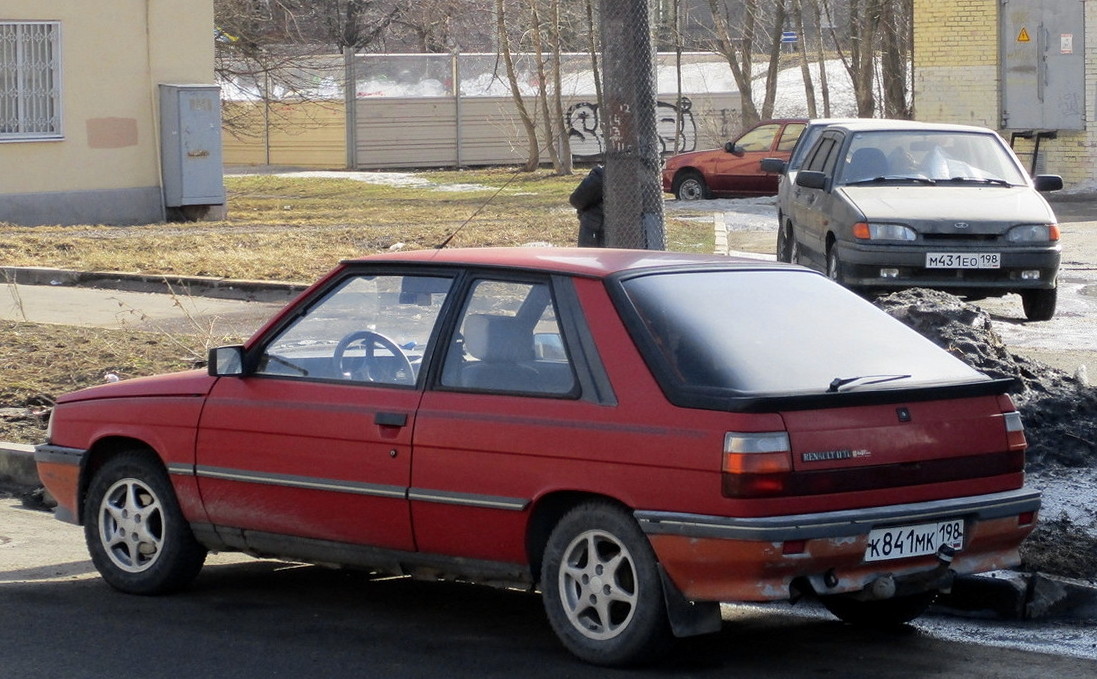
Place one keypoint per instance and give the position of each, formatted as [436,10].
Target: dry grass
[38,362]
[282,228]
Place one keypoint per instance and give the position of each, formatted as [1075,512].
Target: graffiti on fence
[672,122]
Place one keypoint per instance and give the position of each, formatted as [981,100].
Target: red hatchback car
[734,171]
[640,435]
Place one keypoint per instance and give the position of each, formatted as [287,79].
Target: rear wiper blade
[839,382]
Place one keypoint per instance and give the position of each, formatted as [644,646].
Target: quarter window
[30,80]
[509,340]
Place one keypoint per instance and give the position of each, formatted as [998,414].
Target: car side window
[819,160]
[759,139]
[508,339]
[789,136]
[367,329]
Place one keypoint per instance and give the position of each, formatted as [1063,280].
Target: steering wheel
[371,367]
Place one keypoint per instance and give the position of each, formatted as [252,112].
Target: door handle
[391,419]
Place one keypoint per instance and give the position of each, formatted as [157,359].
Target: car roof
[590,262]
[886,124]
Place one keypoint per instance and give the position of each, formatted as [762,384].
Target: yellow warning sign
[1023,35]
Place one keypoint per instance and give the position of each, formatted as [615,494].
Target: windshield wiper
[839,382]
[980,180]
[893,178]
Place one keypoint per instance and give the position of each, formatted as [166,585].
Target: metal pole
[455,68]
[350,103]
[633,203]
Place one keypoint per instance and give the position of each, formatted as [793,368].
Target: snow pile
[1059,411]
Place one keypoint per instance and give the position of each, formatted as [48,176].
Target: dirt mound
[1059,410]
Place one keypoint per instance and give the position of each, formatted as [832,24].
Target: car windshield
[940,156]
[773,333]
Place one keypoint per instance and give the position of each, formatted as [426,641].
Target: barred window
[30,80]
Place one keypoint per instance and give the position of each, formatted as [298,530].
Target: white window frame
[30,81]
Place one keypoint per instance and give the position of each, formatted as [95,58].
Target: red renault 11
[639,435]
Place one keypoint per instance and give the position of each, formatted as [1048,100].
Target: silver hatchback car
[888,204]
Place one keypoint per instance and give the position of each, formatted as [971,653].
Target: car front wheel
[834,264]
[785,243]
[601,587]
[1039,305]
[136,534]
[690,186]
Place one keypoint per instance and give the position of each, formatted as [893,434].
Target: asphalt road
[254,618]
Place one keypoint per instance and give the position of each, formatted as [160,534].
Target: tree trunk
[542,88]
[738,54]
[774,68]
[533,159]
[557,97]
[805,68]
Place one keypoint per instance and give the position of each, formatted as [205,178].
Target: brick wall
[957,79]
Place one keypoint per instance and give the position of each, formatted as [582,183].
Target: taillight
[756,464]
[1015,431]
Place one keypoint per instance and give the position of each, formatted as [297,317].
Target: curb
[17,465]
[204,286]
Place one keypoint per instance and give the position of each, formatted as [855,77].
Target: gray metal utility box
[190,145]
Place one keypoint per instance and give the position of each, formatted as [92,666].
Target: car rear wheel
[1039,305]
[136,534]
[690,186]
[879,613]
[601,587]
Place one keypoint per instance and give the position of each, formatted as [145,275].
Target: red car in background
[640,435]
[735,170]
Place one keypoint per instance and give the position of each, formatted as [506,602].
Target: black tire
[834,264]
[784,243]
[891,612]
[601,588]
[690,185]
[1039,304]
[137,536]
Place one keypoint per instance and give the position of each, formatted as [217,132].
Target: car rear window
[776,333]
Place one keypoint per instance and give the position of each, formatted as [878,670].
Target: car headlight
[1033,233]
[880,231]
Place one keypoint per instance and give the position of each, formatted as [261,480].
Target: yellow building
[1022,67]
[80,91]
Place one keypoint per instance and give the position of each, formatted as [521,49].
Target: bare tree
[533,155]
[778,24]
[564,150]
[738,50]
[805,67]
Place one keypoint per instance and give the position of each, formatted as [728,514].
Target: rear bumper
[862,263]
[713,558]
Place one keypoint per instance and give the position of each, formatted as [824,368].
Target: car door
[314,439]
[740,172]
[809,204]
[518,389]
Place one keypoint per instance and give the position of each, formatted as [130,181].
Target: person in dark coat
[587,199]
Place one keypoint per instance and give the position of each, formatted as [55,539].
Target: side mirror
[1047,182]
[810,179]
[226,361]
[733,148]
[773,165]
